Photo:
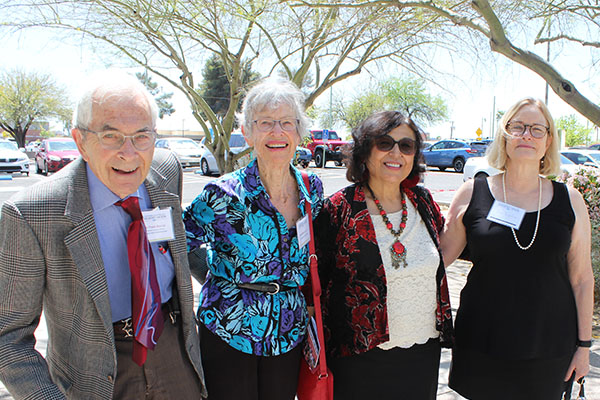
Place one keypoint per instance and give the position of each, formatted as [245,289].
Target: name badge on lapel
[505,214]
[303,231]
[159,225]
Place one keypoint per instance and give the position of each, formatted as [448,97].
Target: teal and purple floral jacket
[249,242]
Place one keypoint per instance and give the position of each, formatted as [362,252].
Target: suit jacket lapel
[83,243]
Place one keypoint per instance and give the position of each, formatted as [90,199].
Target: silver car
[187,150]
[478,166]
[12,159]
[208,163]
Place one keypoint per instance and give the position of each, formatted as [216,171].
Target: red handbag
[317,385]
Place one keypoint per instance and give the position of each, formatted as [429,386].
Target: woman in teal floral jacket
[253,315]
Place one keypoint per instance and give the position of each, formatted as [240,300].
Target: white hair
[109,83]
[270,93]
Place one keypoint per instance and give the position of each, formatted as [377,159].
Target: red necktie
[145,293]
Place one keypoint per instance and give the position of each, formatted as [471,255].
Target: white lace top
[411,296]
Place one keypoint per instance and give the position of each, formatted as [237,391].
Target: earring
[542,162]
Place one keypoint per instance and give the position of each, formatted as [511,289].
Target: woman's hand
[311,311]
[580,363]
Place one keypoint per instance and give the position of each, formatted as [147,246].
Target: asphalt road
[442,184]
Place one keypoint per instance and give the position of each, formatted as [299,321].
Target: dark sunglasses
[386,143]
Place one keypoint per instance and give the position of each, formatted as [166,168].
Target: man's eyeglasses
[267,124]
[114,140]
[386,143]
[518,129]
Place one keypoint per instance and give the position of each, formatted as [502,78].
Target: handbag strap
[315,282]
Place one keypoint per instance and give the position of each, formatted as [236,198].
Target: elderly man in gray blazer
[66,249]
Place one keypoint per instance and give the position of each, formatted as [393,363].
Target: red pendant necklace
[397,250]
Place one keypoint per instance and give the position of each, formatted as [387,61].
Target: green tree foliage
[410,96]
[215,88]
[575,132]
[165,107]
[407,95]
[28,97]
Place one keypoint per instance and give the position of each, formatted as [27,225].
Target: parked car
[590,158]
[595,146]
[450,153]
[478,166]
[427,144]
[187,150]
[481,145]
[55,153]
[332,149]
[12,159]
[208,163]
[32,146]
[303,156]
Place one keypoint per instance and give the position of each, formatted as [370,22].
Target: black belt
[124,327]
[268,288]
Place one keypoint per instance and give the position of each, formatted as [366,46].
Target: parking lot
[442,184]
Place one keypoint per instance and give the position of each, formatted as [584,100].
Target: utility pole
[548,60]
[451,129]
[493,119]
[330,106]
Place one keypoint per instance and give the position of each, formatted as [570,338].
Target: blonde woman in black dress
[524,322]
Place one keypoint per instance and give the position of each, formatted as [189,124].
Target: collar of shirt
[255,187]
[102,197]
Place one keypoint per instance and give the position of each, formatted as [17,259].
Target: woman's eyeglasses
[386,143]
[517,129]
[268,124]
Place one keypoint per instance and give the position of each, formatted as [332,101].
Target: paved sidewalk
[457,274]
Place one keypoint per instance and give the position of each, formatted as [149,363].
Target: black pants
[395,374]
[166,374]
[230,374]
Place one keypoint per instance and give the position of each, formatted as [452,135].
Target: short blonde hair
[496,154]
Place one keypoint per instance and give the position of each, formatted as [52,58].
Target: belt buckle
[127,327]
[277,287]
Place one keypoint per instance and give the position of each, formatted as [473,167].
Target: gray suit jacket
[50,259]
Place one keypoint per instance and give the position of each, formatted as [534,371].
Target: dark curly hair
[376,125]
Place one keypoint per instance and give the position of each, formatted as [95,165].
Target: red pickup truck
[330,149]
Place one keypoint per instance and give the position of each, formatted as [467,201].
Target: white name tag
[159,225]
[303,231]
[505,214]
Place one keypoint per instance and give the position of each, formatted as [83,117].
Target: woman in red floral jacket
[386,307]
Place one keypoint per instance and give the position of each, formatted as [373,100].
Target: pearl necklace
[537,221]
[397,250]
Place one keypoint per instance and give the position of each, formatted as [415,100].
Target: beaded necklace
[537,221]
[397,249]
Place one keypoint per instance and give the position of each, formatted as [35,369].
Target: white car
[12,159]
[590,158]
[478,166]
[187,150]
[208,164]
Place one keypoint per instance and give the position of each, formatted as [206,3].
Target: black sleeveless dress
[516,327]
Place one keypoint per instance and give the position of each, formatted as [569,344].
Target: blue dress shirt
[112,223]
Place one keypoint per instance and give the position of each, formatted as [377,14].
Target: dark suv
[332,148]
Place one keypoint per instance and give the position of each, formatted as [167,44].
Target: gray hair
[109,83]
[270,93]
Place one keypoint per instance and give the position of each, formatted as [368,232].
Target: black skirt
[388,374]
[478,376]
